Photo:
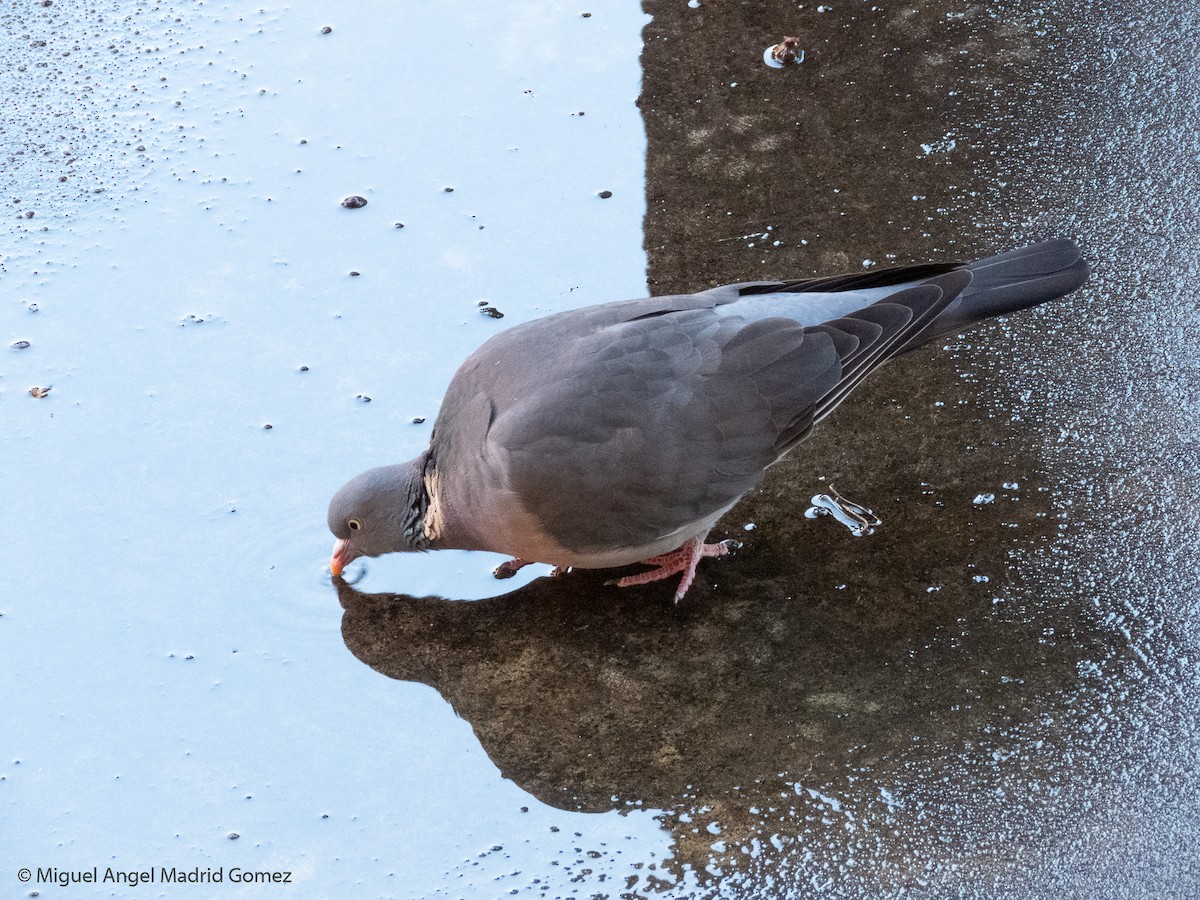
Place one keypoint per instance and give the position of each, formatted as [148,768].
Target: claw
[684,560]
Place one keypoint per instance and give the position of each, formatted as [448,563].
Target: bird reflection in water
[747,711]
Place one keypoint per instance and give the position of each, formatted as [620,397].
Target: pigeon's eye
[354,524]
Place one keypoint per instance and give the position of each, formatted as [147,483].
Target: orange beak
[342,554]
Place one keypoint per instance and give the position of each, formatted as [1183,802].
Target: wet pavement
[993,695]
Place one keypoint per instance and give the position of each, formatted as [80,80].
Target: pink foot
[684,560]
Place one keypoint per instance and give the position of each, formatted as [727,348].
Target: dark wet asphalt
[981,699]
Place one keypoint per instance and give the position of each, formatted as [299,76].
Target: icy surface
[173,666]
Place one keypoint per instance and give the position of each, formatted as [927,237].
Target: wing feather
[615,429]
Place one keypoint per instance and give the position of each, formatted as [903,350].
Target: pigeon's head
[380,511]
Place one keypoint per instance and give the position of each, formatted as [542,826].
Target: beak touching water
[342,554]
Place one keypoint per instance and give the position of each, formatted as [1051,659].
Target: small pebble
[586,15]
[20,345]
[29,213]
[399,224]
[304,368]
[417,420]
[268,427]
[448,190]
[354,202]
[492,312]
[363,397]
[233,835]
[604,195]
[354,274]
[326,30]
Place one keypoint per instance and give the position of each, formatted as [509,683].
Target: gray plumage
[607,435]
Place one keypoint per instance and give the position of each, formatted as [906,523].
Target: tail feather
[1010,282]
[924,305]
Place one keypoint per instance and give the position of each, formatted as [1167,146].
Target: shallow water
[981,699]
[174,671]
